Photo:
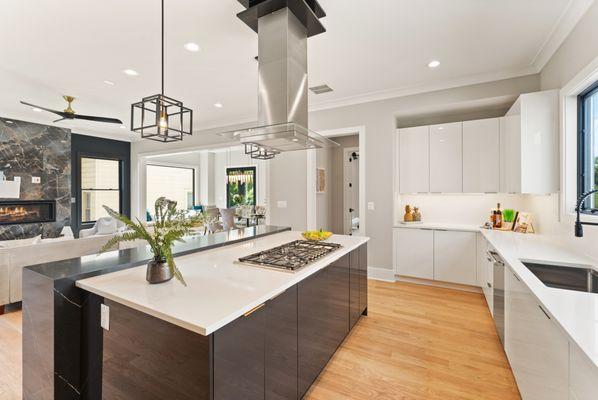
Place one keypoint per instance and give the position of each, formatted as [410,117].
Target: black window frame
[81,189]
[252,169]
[193,170]
[582,151]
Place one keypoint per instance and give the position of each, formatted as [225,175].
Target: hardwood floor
[418,342]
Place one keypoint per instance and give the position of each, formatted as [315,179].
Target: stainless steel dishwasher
[498,294]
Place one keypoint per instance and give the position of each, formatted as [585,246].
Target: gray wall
[27,150]
[577,51]
[379,119]
[324,202]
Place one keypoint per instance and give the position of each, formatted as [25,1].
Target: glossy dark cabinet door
[239,365]
[338,311]
[354,288]
[363,278]
[315,340]
[281,346]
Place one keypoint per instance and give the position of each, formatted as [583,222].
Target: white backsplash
[469,209]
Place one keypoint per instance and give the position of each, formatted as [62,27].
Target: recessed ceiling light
[131,72]
[218,105]
[110,83]
[9,122]
[36,109]
[194,47]
[433,63]
[295,140]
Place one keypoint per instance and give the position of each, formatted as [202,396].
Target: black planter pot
[158,272]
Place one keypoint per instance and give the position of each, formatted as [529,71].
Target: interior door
[351,191]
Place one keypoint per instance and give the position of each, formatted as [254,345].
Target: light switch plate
[371,205]
[105,316]
[36,179]
[281,204]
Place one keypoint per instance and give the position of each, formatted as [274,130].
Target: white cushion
[20,242]
[106,226]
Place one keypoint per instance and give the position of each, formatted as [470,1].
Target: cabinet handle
[254,309]
[489,260]
[426,229]
[442,230]
[545,313]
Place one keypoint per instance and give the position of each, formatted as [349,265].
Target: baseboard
[381,274]
[446,285]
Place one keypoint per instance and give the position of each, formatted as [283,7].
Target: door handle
[489,285]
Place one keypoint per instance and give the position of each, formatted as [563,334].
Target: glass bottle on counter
[497,217]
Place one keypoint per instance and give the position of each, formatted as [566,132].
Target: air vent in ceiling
[321,89]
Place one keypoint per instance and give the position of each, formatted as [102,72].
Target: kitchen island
[234,332]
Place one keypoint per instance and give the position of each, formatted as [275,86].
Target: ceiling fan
[69,113]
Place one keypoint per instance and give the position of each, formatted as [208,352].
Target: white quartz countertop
[219,290]
[576,313]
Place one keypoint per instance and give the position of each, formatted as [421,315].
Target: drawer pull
[545,313]
[254,309]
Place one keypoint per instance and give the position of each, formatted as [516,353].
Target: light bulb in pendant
[163,122]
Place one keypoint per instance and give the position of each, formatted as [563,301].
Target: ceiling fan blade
[98,119]
[43,108]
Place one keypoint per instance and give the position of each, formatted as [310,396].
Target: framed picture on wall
[320,180]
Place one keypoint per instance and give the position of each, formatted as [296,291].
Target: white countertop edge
[540,291]
[301,275]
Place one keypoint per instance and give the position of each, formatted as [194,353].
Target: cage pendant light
[159,117]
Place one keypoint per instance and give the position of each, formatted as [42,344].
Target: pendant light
[159,117]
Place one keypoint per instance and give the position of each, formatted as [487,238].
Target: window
[174,183]
[100,186]
[588,147]
[240,186]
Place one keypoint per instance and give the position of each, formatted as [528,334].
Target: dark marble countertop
[99,264]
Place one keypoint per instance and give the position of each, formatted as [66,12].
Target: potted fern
[170,226]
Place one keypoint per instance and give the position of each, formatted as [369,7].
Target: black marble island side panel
[58,316]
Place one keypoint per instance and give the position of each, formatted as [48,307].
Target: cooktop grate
[291,256]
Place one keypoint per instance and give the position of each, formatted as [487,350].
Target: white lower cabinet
[538,352]
[455,257]
[414,253]
[583,376]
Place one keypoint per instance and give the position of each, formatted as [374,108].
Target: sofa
[15,257]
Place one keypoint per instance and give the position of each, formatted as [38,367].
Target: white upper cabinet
[529,139]
[446,165]
[414,166]
[481,156]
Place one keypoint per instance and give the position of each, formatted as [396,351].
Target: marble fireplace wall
[32,150]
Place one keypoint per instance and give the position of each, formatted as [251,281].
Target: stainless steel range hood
[283,27]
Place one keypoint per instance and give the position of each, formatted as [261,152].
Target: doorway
[351,191]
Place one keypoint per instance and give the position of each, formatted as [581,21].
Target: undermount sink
[562,277]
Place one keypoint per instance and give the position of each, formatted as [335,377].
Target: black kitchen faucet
[578,223]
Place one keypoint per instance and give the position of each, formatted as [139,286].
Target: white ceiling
[372,50]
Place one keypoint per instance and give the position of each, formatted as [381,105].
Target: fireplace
[27,211]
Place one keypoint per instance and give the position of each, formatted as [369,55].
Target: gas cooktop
[291,256]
